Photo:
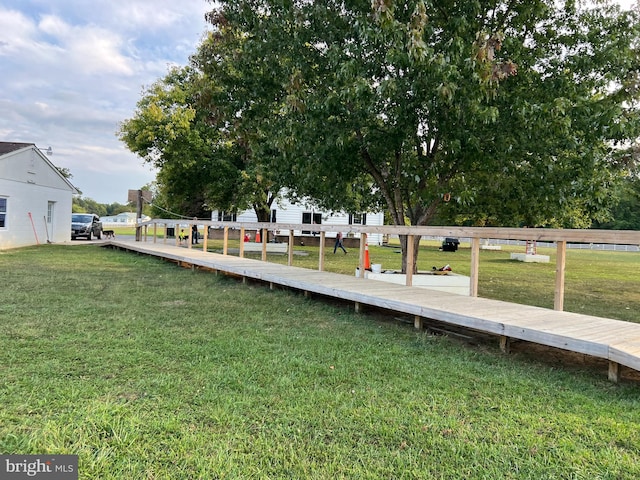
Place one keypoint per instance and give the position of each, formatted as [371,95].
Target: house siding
[30,183]
[290,213]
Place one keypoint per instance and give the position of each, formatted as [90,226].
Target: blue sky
[71,70]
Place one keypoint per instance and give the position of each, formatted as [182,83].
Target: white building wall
[293,213]
[23,229]
[29,182]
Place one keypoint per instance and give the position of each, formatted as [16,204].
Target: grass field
[149,371]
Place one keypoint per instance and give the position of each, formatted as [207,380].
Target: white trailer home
[35,198]
[284,211]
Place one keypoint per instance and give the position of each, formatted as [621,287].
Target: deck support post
[561,255]
[264,233]
[225,241]
[290,252]
[614,371]
[475,266]
[505,344]
[241,246]
[321,252]
[417,322]
[358,307]
[410,251]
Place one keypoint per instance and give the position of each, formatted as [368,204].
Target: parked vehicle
[85,225]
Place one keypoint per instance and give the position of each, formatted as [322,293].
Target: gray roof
[8,147]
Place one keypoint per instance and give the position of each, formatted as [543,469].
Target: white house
[35,198]
[285,212]
[124,219]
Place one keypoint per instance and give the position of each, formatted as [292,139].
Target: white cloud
[73,69]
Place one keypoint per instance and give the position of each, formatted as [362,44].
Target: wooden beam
[292,240]
[561,255]
[620,237]
[321,252]
[205,237]
[225,241]
[614,371]
[475,267]
[417,322]
[241,247]
[505,344]
[263,236]
[410,252]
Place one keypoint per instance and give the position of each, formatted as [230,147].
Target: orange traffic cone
[367,262]
[258,240]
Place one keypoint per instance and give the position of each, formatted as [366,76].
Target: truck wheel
[89,236]
[99,235]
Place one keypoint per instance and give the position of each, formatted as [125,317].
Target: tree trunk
[410,262]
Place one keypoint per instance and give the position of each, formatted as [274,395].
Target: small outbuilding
[35,198]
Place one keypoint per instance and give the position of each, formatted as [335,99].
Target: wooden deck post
[321,252]
[417,322]
[225,241]
[241,246]
[176,227]
[410,251]
[264,233]
[475,266]
[505,344]
[561,255]
[614,371]
[205,245]
[155,231]
[290,252]
[166,227]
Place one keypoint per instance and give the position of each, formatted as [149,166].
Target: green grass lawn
[150,371]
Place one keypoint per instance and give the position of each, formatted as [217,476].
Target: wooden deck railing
[476,234]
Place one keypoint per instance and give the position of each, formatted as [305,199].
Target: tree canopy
[513,111]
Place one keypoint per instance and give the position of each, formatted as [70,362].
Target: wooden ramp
[613,340]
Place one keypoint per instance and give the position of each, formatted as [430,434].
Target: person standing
[194,232]
[339,244]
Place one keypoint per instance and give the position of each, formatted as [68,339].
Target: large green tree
[511,109]
[196,128]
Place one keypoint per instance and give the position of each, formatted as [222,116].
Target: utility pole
[138,217]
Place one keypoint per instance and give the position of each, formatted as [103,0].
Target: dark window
[273,216]
[357,219]
[3,212]
[308,217]
[226,217]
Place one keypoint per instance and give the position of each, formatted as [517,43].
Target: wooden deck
[613,340]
